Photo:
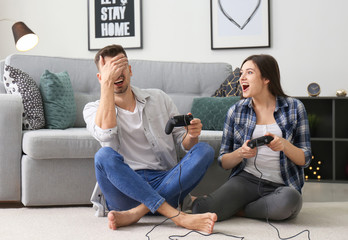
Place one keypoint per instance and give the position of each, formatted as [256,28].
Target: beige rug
[325,221]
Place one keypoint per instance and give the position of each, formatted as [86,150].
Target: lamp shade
[25,39]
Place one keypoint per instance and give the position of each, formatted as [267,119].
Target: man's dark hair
[270,70]
[109,51]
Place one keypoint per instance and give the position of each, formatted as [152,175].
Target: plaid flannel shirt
[290,115]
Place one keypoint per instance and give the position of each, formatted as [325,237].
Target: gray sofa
[55,167]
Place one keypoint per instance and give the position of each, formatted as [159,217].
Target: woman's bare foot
[121,218]
[200,222]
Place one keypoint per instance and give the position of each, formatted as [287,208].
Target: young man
[136,168]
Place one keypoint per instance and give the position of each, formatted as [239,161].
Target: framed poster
[114,22]
[239,24]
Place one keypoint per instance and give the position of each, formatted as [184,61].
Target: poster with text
[114,22]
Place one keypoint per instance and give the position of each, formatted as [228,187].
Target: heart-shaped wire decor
[233,21]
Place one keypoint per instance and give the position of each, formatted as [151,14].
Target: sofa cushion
[213,138]
[81,99]
[230,87]
[58,143]
[212,110]
[57,181]
[18,82]
[182,81]
[82,72]
[59,100]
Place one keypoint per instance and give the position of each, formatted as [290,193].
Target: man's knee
[104,154]
[206,150]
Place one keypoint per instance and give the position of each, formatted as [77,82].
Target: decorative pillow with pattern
[212,110]
[58,98]
[18,82]
[230,87]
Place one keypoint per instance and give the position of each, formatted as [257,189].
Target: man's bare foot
[121,218]
[200,222]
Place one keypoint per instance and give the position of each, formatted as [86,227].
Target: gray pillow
[18,82]
[58,98]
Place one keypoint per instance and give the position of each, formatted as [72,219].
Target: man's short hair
[109,51]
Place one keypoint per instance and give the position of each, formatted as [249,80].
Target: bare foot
[200,222]
[121,218]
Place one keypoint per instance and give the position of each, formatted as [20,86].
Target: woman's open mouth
[245,86]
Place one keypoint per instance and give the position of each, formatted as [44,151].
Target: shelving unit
[329,137]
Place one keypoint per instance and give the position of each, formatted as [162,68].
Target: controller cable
[174,237]
[267,220]
[147,234]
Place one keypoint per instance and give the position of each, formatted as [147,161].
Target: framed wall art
[114,22]
[239,24]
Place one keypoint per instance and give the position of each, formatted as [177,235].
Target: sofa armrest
[10,146]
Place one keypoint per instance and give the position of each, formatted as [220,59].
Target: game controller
[257,142]
[177,121]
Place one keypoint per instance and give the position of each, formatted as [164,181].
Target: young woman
[265,181]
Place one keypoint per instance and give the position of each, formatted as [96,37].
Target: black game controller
[257,142]
[178,121]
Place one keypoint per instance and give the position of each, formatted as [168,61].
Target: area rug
[316,221]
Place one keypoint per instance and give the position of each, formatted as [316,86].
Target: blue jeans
[125,188]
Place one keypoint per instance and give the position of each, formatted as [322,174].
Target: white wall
[309,38]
